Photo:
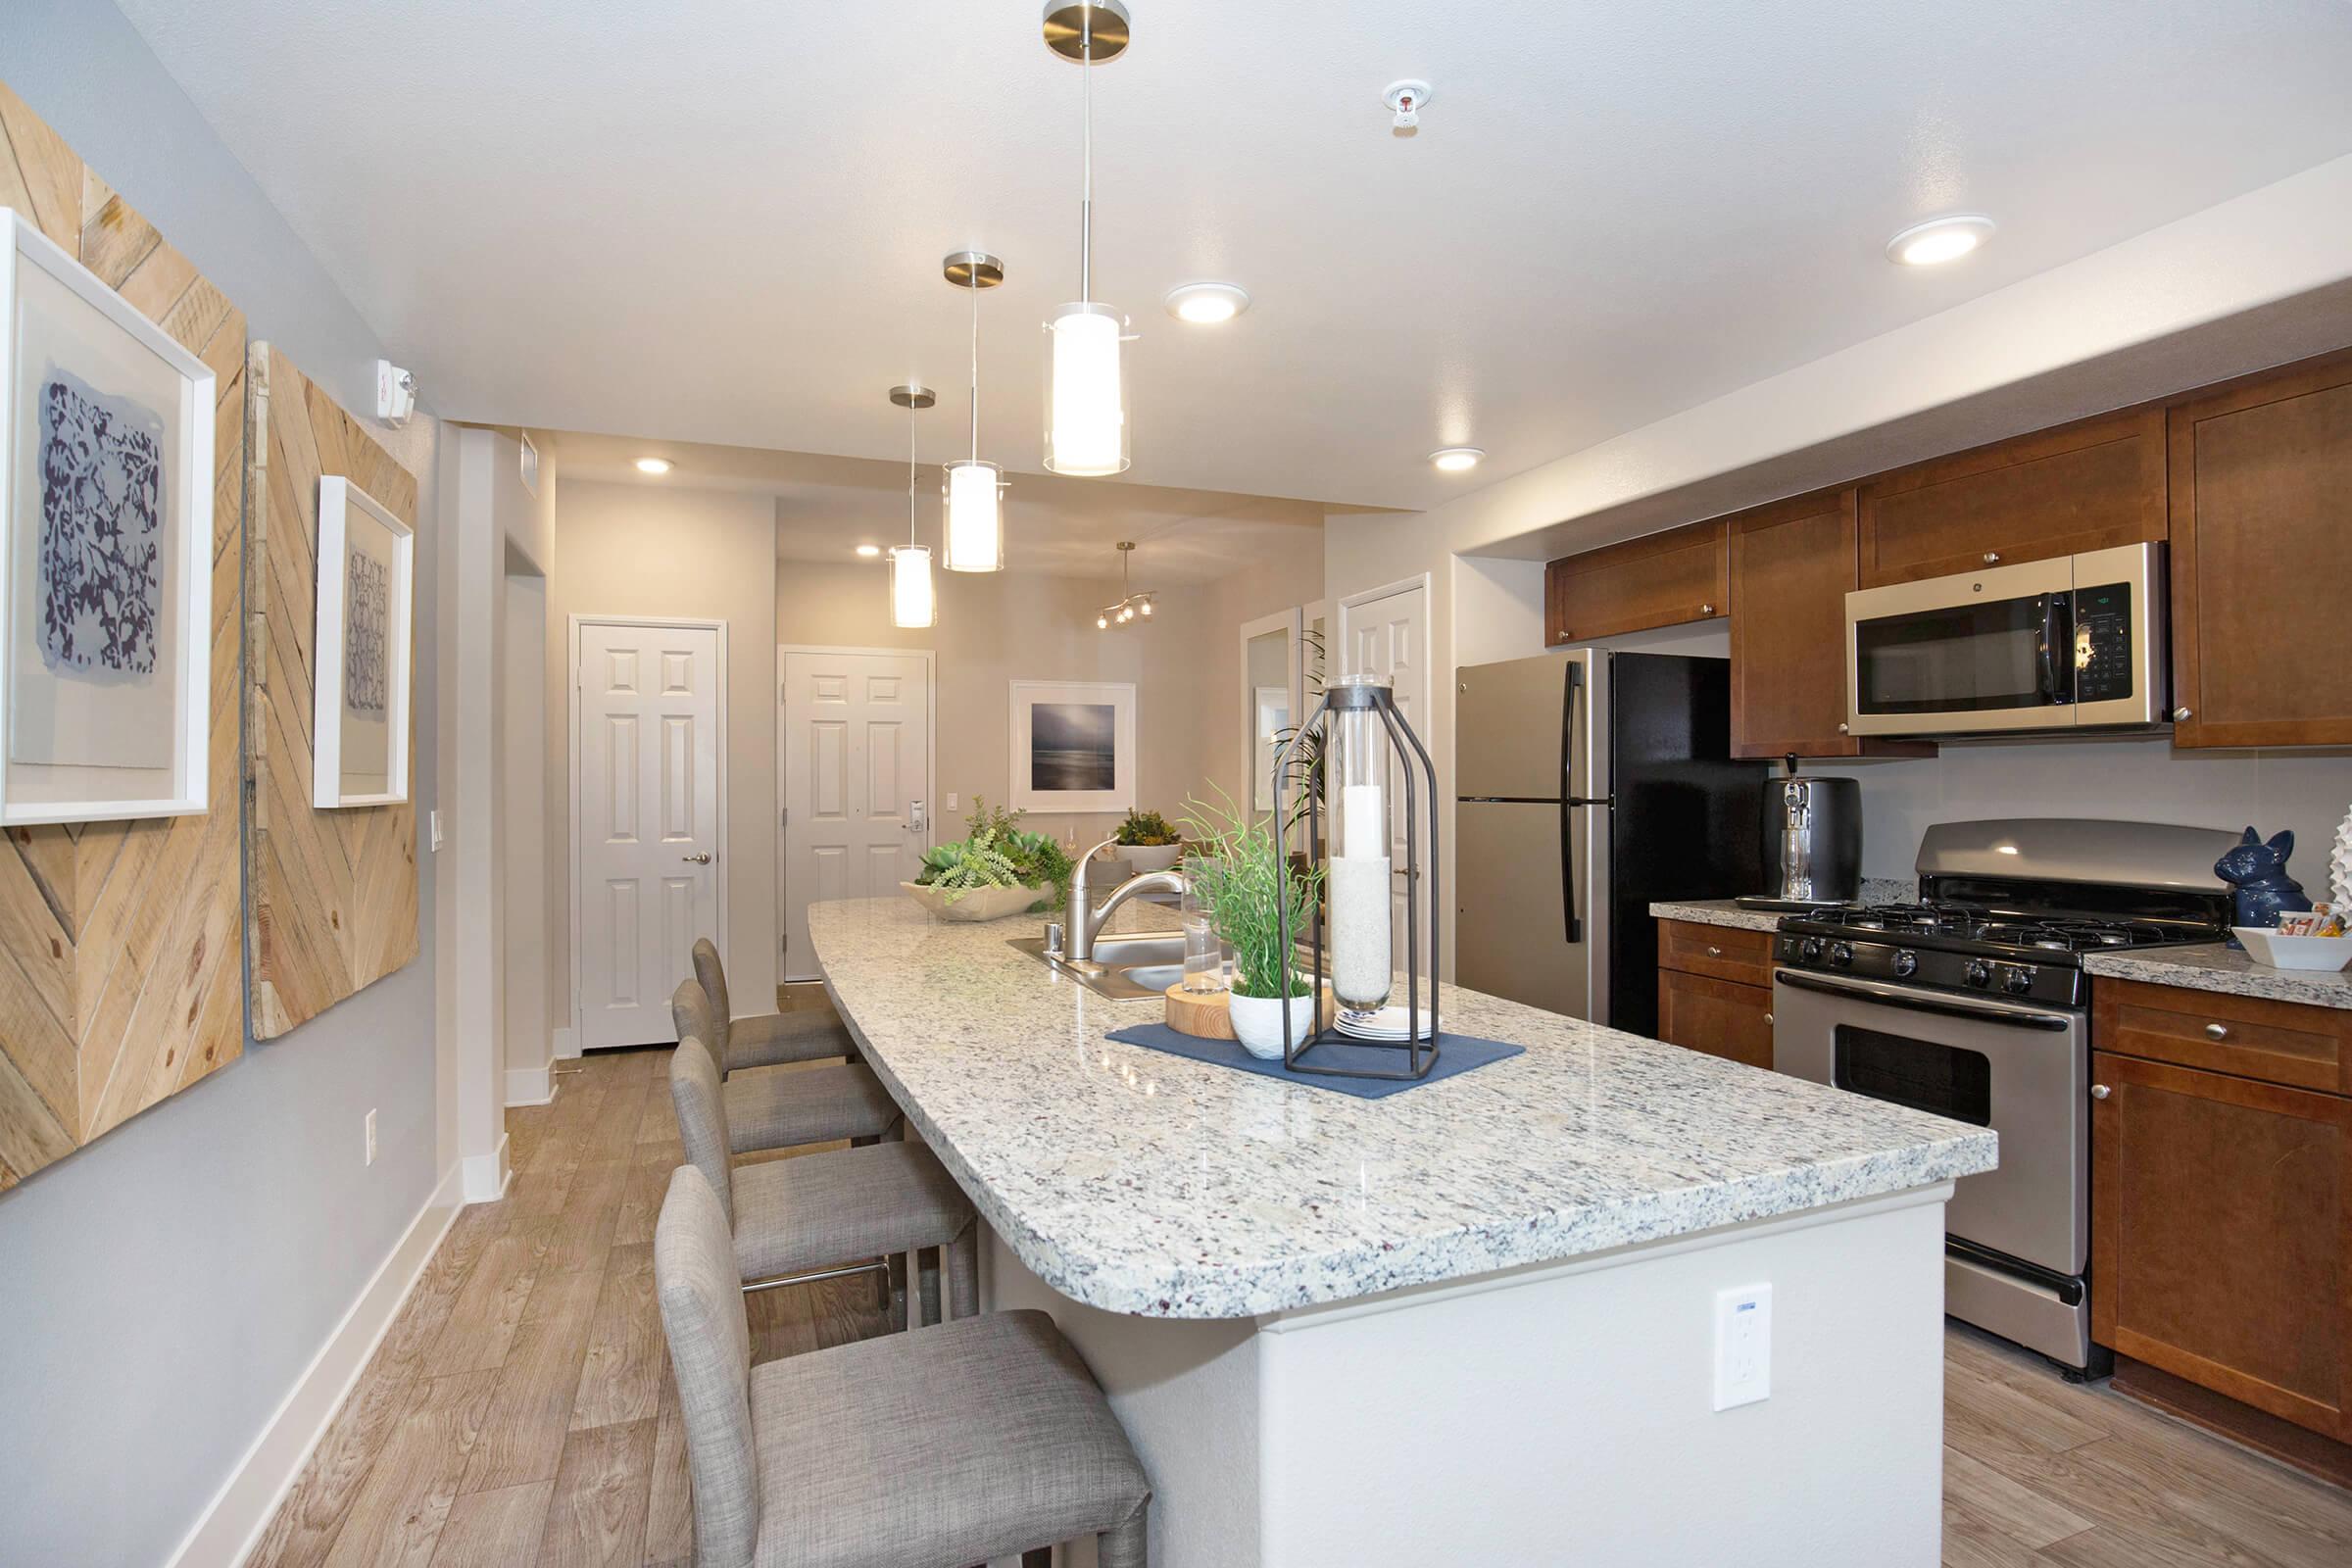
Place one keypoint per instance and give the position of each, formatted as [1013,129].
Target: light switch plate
[1743,1345]
[371,1137]
[951,801]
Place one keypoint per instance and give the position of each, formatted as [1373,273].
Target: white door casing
[649,765]
[854,739]
[1384,632]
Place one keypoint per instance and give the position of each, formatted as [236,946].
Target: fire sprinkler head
[1406,100]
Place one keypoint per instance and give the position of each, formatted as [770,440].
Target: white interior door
[856,734]
[650,757]
[1387,636]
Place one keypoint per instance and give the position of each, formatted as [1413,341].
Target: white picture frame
[63,731]
[347,514]
[1073,746]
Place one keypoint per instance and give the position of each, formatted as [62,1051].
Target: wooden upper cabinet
[1791,565]
[2090,485]
[2262,560]
[1662,579]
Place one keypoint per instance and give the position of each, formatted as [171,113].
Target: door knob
[2180,715]
[2100,1091]
[702,858]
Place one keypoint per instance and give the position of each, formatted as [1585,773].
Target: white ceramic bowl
[2293,953]
[980,904]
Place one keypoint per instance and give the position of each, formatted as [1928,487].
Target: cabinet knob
[1768,1018]
[1992,558]
[1714,952]
[2180,715]
[2100,1091]
[1841,730]
[1706,610]
[2217,1031]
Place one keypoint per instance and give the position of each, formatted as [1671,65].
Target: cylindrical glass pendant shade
[1086,397]
[975,520]
[912,602]
[1361,898]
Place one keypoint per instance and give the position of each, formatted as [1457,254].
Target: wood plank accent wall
[334,905]
[119,974]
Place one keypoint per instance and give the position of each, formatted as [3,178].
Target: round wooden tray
[1203,1013]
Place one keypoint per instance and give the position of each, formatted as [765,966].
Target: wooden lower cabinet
[2221,1235]
[1721,1018]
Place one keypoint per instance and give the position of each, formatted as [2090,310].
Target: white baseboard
[567,1039]
[232,1524]
[529,1086]
[484,1178]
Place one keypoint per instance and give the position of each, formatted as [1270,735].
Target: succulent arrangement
[1148,829]
[997,852]
[1234,868]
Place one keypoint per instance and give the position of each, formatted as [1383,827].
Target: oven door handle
[1986,1011]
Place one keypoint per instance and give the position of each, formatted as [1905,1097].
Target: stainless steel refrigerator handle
[1576,684]
[1951,1006]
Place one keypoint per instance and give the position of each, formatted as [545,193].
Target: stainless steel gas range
[1973,1004]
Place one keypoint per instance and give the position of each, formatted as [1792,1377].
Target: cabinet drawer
[1663,579]
[1717,1016]
[1724,953]
[2273,1042]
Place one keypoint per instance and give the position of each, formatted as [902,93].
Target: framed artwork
[106,549]
[1073,746]
[360,707]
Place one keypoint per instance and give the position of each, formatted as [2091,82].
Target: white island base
[1561,1413]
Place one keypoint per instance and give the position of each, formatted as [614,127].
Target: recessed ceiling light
[1207,304]
[869,552]
[1456,460]
[653,465]
[1939,239]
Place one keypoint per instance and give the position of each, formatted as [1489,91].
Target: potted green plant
[996,870]
[1152,844]
[1235,865]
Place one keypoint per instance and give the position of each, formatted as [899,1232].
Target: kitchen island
[1475,1321]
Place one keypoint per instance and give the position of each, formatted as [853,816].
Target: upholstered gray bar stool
[821,1216]
[783,1107]
[763,1040]
[979,1438]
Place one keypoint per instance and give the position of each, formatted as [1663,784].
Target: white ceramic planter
[980,904]
[1257,1024]
[1151,857]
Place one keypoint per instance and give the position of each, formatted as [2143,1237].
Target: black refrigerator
[1588,784]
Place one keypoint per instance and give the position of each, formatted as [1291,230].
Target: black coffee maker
[1812,839]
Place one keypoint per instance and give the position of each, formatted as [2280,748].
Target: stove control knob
[1813,946]
[1840,954]
[1977,973]
[2017,982]
[1906,963]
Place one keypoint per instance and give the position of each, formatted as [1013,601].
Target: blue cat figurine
[2259,883]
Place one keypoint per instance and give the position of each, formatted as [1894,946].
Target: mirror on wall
[1269,698]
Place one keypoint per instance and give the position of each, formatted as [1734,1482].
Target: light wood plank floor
[521,1412]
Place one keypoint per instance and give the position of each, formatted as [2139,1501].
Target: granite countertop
[2215,966]
[1724,911]
[1147,1184]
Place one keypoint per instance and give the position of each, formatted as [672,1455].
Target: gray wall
[162,1290]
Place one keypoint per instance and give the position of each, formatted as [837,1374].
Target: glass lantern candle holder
[1362,965]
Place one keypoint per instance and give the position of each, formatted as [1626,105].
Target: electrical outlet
[1743,1345]
[434,819]
[951,801]
[371,1136]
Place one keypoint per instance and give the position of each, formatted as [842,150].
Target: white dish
[2270,949]
[1381,1023]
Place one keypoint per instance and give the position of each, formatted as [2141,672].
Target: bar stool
[780,1107]
[980,1438]
[799,1221]
[765,1040]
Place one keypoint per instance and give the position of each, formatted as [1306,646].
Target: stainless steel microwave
[2073,643]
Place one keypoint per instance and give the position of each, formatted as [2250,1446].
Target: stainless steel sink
[1131,968]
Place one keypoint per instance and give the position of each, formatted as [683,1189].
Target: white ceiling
[721,220]
[825,507]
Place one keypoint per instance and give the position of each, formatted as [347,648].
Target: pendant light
[1131,605]
[912,601]
[976,530]
[1086,389]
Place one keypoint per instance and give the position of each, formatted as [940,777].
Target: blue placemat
[1456,1054]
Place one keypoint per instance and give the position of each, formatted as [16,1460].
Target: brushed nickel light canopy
[1067,30]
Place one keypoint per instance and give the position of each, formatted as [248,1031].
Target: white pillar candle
[1364,821]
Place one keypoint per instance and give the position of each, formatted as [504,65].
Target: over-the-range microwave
[2073,643]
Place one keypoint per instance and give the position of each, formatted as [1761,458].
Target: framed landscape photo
[1073,746]
[106,549]
[360,701]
